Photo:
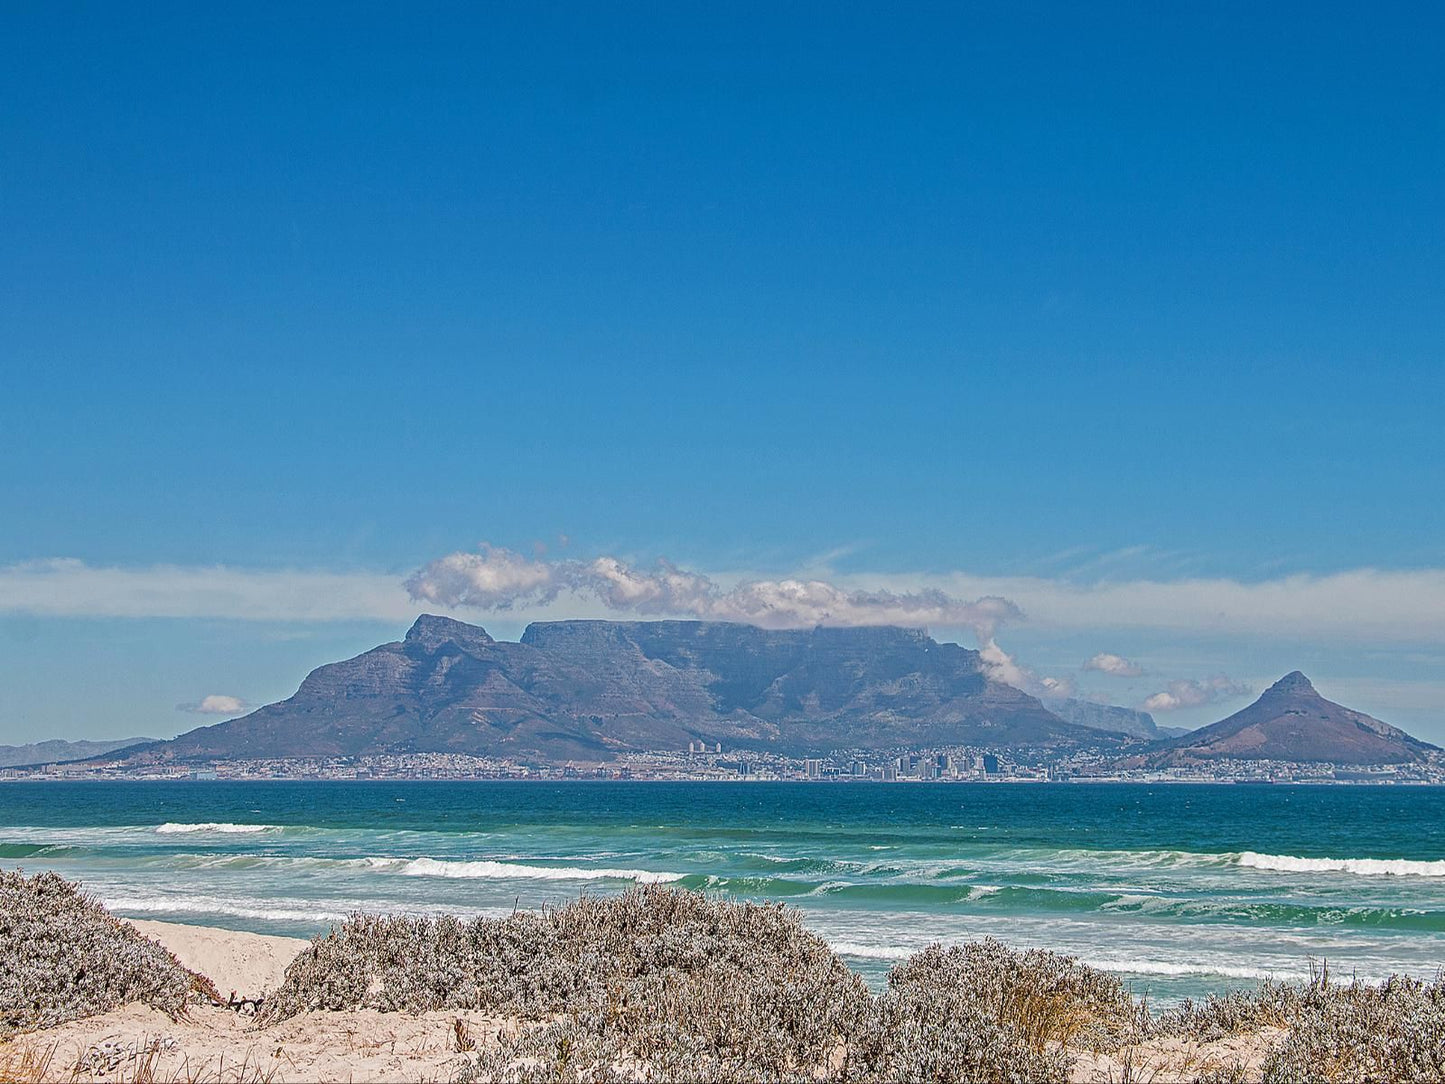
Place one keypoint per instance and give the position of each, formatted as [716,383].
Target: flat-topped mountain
[591,689]
[1291,721]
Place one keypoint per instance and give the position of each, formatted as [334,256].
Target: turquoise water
[1180,889]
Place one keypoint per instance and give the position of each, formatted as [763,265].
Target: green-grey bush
[659,984]
[647,974]
[64,957]
[1393,1032]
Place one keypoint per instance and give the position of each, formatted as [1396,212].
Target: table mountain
[591,689]
[1291,721]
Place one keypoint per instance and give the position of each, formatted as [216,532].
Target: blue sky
[1043,304]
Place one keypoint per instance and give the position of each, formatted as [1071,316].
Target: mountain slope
[56,750]
[1136,724]
[1291,721]
[590,689]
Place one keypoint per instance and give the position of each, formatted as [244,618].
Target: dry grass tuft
[24,1062]
[64,957]
[1044,997]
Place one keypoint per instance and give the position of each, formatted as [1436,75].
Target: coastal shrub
[670,979]
[1360,1032]
[928,1026]
[64,957]
[921,1031]
[1238,1012]
[982,1012]
[1043,997]
[1392,1032]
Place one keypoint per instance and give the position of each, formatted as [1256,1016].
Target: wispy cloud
[215,704]
[1363,605]
[1192,694]
[1353,606]
[1115,665]
[68,588]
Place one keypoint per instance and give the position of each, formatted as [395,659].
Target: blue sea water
[1181,889]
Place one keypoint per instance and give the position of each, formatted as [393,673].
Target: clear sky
[1131,314]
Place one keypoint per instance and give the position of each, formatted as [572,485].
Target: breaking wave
[489,870]
[871,952]
[222,828]
[213,905]
[1360,867]
[1166,967]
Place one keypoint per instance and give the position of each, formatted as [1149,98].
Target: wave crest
[221,827]
[434,867]
[1360,867]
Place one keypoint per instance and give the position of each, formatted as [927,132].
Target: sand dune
[247,965]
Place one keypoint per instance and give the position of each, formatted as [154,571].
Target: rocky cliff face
[590,689]
[1291,721]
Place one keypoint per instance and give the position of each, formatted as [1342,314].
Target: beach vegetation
[64,957]
[659,984]
[1330,1031]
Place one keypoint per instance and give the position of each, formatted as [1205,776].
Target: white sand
[220,1046]
[217,1044]
[245,964]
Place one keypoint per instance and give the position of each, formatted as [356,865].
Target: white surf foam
[488,870]
[871,952]
[1169,968]
[213,905]
[224,828]
[1360,867]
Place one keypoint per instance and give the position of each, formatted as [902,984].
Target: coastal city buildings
[708,762]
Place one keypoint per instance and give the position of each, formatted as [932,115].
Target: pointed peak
[431,631]
[1293,682]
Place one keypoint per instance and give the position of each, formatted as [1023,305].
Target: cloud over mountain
[1191,694]
[1390,606]
[215,704]
[498,579]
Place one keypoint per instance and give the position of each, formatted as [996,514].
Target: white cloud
[1356,606]
[1406,606]
[215,704]
[493,579]
[999,665]
[497,579]
[1116,665]
[1192,694]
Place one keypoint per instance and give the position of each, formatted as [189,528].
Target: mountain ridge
[1291,721]
[57,750]
[594,689]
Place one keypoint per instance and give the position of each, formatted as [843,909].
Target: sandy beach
[214,1043]
[242,965]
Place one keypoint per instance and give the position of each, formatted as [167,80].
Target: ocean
[1182,890]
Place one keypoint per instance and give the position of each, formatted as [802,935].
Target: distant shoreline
[556,780]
